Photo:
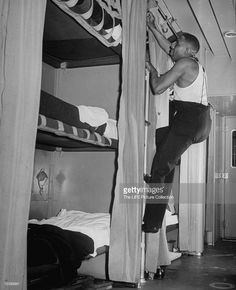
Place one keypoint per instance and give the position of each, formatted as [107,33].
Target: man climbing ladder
[189,117]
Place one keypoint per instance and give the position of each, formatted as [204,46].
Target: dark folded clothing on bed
[57,109]
[68,247]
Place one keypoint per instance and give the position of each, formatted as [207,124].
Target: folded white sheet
[111,129]
[93,116]
[171,219]
[94,225]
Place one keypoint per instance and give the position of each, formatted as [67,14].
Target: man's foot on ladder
[147,178]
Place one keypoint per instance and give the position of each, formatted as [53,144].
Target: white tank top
[196,92]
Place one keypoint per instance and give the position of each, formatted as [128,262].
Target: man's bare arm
[160,38]
[160,84]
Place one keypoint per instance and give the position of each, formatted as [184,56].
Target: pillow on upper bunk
[55,108]
[93,116]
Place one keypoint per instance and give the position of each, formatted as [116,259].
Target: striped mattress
[61,129]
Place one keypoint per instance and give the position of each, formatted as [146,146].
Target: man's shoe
[147,178]
[160,273]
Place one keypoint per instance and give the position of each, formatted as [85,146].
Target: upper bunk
[81,33]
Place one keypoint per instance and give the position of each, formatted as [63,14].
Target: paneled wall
[221,73]
[91,86]
[76,180]
[49,79]
[83,181]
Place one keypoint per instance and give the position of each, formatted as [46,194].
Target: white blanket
[93,116]
[94,225]
[111,129]
[171,219]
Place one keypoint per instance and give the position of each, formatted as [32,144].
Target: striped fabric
[101,18]
[84,135]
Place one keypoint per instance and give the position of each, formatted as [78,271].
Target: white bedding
[171,219]
[111,129]
[94,225]
[95,117]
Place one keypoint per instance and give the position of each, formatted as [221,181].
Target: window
[234,148]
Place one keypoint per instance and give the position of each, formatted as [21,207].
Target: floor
[215,269]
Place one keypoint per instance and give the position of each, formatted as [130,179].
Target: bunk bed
[60,128]
[57,246]
[74,243]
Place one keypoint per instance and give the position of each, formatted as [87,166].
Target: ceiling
[67,44]
[209,20]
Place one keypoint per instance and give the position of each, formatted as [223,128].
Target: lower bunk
[69,249]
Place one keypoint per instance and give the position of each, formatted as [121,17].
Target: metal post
[147,75]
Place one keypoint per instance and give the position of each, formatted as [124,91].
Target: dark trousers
[189,123]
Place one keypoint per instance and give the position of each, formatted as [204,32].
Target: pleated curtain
[192,199]
[21,33]
[125,244]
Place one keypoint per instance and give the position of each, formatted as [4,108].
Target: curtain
[21,29]
[192,199]
[125,251]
